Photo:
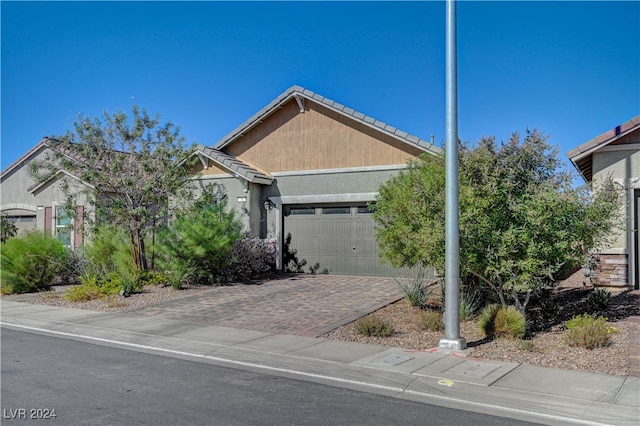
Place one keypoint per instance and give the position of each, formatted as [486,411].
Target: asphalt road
[88,384]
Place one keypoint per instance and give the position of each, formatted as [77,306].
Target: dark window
[336,210]
[302,210]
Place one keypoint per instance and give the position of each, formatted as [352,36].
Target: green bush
[588,331]
[88,290]
[502,321]
[510,322]
[30,263]
[372,325]
[153,278]
[198,242]
[599,300]
[110,251]
[431,320]
[416,288]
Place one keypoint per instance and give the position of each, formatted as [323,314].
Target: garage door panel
[338,242]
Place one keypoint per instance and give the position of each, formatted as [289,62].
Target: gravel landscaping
[545,348]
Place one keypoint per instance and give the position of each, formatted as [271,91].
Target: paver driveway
[305,305]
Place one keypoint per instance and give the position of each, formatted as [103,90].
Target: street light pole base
[452,344]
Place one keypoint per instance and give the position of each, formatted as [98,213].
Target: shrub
[74,267]
[88,290]
[373,325]
[198,242]
[250,257]
[470,300]
[588,332]
[7,229]
[98,287]
[502,321]
[417,287]
[487,319]
[110,251]
[431,320]
[30,263]
[153,278]
[510,322]
[599,300]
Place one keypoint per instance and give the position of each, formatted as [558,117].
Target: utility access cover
[393,359]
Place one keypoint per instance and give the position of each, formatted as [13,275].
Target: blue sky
[570,69]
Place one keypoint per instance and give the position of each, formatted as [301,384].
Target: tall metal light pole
[452,339]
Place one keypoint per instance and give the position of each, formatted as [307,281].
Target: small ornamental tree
[131,168]
[521,219]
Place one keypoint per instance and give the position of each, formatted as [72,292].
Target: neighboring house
[307,166]
[41,206]
[616,154]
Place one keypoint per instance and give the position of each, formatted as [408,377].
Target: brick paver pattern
[304,305]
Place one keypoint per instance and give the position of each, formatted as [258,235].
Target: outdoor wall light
[40,208]
[268,205]
[242,200]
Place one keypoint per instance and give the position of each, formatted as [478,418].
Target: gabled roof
[582,155]
[24,158]
[300,94]
[36,186]
[233,164]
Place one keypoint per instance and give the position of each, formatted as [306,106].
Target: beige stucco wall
[16,200]
[623,166]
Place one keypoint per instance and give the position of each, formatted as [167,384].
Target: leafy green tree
[130,164]
[521,219]
[7,229]
[198,241]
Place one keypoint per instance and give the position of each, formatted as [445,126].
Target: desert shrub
[88,290]
[470,301]
[198,242]
[110,251]
[250,257]
[74,267]
[431,320]
[510,322]
[373,325]
[588,331]
[30,263]
[502,321]
[487,319]
[417,286]
[599,300]
[99,287]
[153,278]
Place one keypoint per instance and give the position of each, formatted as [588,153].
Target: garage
[335,239]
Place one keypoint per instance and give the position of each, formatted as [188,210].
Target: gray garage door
[335,239]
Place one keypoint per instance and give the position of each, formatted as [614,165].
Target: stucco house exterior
[41,206]
[308,167]
[616,154]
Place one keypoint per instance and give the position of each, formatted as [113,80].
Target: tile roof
[230,162]
[294,91]
[581,156]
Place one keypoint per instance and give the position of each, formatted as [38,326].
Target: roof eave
[295,91]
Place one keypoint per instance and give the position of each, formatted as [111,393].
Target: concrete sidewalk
[522,392]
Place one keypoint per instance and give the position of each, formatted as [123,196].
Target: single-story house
[615,154]
[308,167]
[33,205]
